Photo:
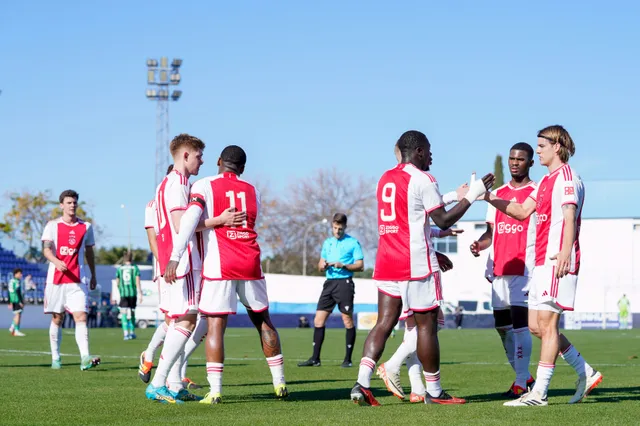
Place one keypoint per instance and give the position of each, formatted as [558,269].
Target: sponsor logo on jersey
[238,235]
[67,251]
[507,228]
[568,190]
[541,218]
[388,229]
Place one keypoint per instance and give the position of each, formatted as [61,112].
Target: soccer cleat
[346,364]
[89,361]
[18,333]
[184,395]
[133,336]
[56,364]
[144,369]
[281,391]
[415,397]
[391,380]
[529,399]
[584,386]
[161,395]
[363,396]
[190,384]
[212,398]
[514,392]
[310,363]
[444,399]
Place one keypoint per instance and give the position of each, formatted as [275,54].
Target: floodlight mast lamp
[161,75]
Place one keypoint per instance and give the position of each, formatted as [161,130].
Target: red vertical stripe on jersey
[543,211]
[70,238]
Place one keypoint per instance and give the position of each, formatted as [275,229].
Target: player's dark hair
[340,219]
[68,193]
[233,155]
[410,141]
[128,256]
[16,271]
[170,168]
[523,146]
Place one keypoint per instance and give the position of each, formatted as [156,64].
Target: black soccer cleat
[310,363]
[346,364]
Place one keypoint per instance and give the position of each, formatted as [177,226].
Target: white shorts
[163,294]
[417,296]
[509,290]
[219,296]
[65,297]
[548,293]
[184,294]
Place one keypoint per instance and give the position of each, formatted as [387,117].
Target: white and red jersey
[406,195]
[151,221]
[556,189]
[513,250]
[230,253]
[69,241]
[172,195]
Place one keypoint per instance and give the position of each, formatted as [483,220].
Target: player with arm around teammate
[557,202]
[232,267]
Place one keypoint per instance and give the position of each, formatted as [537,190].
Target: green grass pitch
[473,367]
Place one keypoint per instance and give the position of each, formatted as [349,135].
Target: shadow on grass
[600,394]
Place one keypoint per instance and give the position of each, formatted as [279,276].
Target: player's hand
[21,305]
[60,266]
[462,190]
[93,283]
[325,266]
[233,217]
[451,232]
[489,179]
[140,298]
[445,263]
[563,264]
[475,248]
[170,272]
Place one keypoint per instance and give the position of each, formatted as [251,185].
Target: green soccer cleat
[212,398]
[89,361]
[184,395]
[56,364]
[281,391]
[161,395]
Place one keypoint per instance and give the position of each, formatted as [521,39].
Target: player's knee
[319,322]
[347,320]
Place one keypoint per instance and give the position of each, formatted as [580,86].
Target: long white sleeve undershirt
[188,224]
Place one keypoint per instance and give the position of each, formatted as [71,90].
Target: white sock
[55,336]
[276,365]
[523,346]
[173,347]
[433,383]
[174,379]
[367,365]
[214,376]
[82,338]
[543,378]
[156,341]
[415,374]
[575,360]
[506,335]
[192,344]
[407,347]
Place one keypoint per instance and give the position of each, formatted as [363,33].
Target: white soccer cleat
[529,399]
[18,333]
[391,381]
[584,386]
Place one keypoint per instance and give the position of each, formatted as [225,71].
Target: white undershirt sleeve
[188,224]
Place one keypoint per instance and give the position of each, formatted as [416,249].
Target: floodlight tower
[159,77]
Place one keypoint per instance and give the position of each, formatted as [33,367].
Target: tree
[498,172]
[115,255]
[29,214]
[308,201]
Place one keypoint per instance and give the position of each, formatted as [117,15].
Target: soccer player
[128,276]
[231,267]
[406,264]
[16,302]
[511,266]
[66,242]
[341,256]
[557,202]
[171,202]
[624,306]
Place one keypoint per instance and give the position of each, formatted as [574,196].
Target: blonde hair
[185,139]
[557,134]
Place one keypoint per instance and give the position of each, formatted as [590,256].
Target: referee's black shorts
[337,292]
[128,302]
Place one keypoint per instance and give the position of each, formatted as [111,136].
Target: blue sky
[304,86]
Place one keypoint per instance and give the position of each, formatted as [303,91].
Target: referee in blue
[341,256]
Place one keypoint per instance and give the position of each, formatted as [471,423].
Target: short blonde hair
[558,134]
[185,139]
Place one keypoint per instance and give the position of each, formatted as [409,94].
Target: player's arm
[229,217]
[439,233]
[358,260]
[323,265]
[515,210]
[138,284]
[445,219]
[189,223]
[568,239]
[89,255]
[484,242]
[47,251]
[153,242]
